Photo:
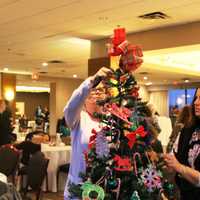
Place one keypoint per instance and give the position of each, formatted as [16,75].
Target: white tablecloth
[57,156]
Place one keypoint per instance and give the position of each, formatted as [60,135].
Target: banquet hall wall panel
[160,38]
[31,101]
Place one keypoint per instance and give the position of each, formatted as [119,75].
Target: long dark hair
[185,116]
[196,119]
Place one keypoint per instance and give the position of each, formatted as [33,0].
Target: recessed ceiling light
[5,69]
[44,64]
[75,76]
[186,80]
[145,77]
[149,83]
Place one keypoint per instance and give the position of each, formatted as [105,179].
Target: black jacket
[5,128]
[188,141]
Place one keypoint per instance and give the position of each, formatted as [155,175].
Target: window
[180,97]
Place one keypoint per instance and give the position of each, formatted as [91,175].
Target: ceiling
[33,32]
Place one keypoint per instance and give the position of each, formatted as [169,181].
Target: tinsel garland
[102,148]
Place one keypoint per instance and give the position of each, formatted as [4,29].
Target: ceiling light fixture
[44,64]
[186,81]
[145,77]
[75,76]
[149,83]
[20,88]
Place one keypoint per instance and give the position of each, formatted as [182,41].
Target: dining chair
[9,160]
[36,173]
[62,169]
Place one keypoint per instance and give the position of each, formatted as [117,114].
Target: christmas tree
[119,163]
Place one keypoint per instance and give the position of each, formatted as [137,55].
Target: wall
[32,100]
[60,91]
[64,90]
[174,36]
[143,93]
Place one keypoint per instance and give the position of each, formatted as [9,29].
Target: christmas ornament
[131,60]
[123,164]
[121,112]
[151,178]
[134,92]
[135,156]
[113,91]
[92,191]
[135,196]
[113,81]
[116,48]
[92,139]
[102,148]
[112,183]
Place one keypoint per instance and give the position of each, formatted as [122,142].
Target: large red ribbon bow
[132,135]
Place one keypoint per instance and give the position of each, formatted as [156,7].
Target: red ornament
[132,59]
[123,164]
[119,43]
[134,92]
[92,139]
[121,112]
[119,36]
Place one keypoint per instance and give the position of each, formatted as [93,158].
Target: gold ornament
[113,91]
[113,81]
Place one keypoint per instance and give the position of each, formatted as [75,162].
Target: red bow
[140,131]
[131,55]
[132,135]
[132,59]
[132,139]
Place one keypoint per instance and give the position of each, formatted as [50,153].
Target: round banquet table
[57,155]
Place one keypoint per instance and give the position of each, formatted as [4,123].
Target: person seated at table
[40,138]
[28,148]
[37,136]
[23,123]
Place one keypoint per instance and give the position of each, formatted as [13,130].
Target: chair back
[37,170]
[9,159]
[28,148]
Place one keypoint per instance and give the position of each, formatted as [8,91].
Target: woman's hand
[172,163]
[100,75]
[103,72]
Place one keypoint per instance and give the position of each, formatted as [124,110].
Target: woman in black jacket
[5,124]
[186,162]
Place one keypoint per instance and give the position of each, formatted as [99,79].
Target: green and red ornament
[92,191]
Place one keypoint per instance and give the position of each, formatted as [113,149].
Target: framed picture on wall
[20,108]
